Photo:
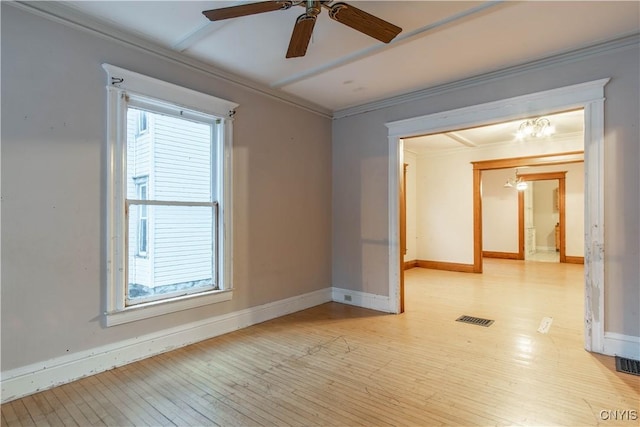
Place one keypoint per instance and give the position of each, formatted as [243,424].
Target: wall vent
[628,366]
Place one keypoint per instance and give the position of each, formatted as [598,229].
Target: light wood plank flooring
[341,366]
[543,256]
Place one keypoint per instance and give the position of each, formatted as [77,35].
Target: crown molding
[625,42]
[73,18]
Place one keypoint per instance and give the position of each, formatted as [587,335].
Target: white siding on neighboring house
[176,156]
[183,251]
[182,162]
[139,146]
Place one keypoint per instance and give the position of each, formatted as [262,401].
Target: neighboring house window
[143,223]
[143,124]
[168,198]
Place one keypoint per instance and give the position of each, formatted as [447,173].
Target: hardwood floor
[340,365]
[543,256]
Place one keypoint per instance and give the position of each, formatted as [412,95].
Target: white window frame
[121,85]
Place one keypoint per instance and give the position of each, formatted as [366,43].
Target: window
[143,217]
[179,163]
[168,198]
[143,126]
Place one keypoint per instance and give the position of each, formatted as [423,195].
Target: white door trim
[590,97]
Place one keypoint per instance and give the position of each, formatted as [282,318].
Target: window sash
[215,224]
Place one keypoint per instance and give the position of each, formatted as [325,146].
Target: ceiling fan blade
[301,36]
[364,22]
[246,9]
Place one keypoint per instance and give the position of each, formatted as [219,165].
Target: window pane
[175,154]
[142,122]
[142,235]
[179,245]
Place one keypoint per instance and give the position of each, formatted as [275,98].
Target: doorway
[590,97]
[523,214]
[542,217]
[540,160]
[541,221]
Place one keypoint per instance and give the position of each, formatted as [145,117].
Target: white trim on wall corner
[362,299]
[40,376]
[622,345]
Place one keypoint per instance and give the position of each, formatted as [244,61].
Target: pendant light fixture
[518,183]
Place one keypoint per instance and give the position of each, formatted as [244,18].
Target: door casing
[590,97]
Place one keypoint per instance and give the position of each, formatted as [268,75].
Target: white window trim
[121,82]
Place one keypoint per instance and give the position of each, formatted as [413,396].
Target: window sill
[145,311]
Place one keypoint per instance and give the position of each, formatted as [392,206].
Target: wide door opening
[585,98]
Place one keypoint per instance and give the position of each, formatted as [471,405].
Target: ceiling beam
[460,139]
[204,30]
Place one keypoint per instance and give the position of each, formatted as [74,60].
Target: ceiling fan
[344,13]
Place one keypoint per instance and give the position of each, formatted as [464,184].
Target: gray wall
[360,187]
[53,191]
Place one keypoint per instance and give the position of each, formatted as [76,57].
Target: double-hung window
[169,204]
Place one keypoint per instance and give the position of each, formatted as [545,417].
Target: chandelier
[535,128]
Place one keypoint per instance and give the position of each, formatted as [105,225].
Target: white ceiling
[441,41]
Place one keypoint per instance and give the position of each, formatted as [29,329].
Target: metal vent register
[474,320]
[628,366]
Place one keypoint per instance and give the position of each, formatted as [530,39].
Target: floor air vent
[628,366]
[474,320]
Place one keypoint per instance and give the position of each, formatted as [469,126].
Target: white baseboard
[622,345]
[362,299]
[30,379]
